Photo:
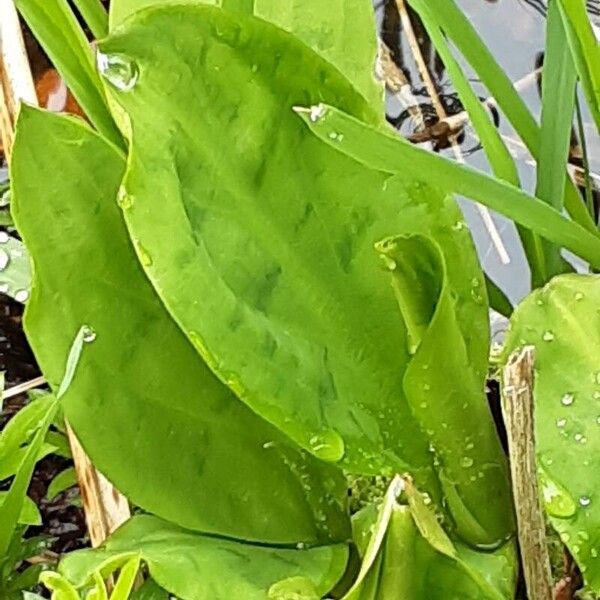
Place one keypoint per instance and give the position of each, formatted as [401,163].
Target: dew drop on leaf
[567,399]
[548,336]
[585,501]
[119,70]
[466,462]
[327,445]
[124,200]
[89,334]
[561,422]
[557,500]
[21,295]
[4,237]
[578,296]
[4,259]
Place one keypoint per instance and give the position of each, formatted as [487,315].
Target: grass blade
[589,195]
[59,33]
[95,16]
[466,39]
[585,51]
[389,153]
[558,99]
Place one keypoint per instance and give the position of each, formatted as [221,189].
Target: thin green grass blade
[466,39]
[558,99]
[589,196]
[585,51]
[95,16]
[389,153]
[496,151]
[59,33]
[498,299]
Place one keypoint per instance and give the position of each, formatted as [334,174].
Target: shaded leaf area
[197,567]
[469,460]
[341,31]
[142,401]
[562,322]
[263,246]
[406,554]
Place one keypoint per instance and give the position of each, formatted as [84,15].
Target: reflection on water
[514,30]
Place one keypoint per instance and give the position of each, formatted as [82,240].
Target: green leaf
[463,35]
[473,469]
[278,249]
[30,515]
[14,500]
[416,559]
[389,153]
[15,274]
[150,590]
[558,103]
[197,567]
[95,16]
[182,445]
[341,31]
[562,322]
[61,482]
[57,30]
[585,51]
[127,575]
[60,587]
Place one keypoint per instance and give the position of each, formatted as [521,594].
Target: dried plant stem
[23,387]
[518,412]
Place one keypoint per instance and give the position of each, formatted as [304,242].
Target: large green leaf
[263,245]
[391,154]
[150,414]
[341,31]
[472,465]
[562,321]
[196,567]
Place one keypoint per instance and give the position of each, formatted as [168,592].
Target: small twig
[23,387]
[518,412]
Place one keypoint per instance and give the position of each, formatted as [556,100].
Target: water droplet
[144,255]
[389,263]
[4,237]
[300,546]
[317,112]
[585,501]
[579,437]
[21,295]
[594,553]
[4,259]
[327,445]
[578,296]
[470,446]
[567,399]
[466,462]
[557,500]
[564,536]
[548,336]
[4,287]
[561,422]
[89,334]
[459,226]
[255,68]
[426,387]
[539,302]
[423,405]
[597,395]
[124,200]
[119,70]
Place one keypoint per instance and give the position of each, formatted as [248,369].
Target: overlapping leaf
[147,409]
[562,321]
[263,245]
[196,567]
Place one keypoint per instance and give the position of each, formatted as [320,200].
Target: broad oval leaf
[263,245]
[562,321]
[197,567]
[150,414]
